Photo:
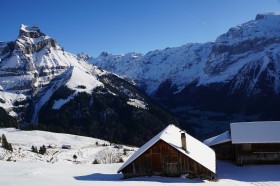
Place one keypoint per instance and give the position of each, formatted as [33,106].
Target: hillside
[86,149]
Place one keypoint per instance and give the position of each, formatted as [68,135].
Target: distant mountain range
[234,78]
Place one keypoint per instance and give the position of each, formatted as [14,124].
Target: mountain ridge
[204,62]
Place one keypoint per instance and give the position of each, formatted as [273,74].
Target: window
[246,147]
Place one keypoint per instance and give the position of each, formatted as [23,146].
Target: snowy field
[57,167]
[46,174]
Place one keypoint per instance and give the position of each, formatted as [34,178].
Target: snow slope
[85,148]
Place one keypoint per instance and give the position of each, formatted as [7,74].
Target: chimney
[184,141]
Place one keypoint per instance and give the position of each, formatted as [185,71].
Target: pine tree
[75,157]
[4,141]
[42,150]
[95,161]
[10,148]
[5,144]
[34,149]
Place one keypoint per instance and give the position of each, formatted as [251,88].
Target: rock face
[83,56]
[42,84]
[233,78]
[33,58]
[30,32]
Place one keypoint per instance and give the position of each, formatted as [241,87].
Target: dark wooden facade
[164,160]
[224,151]
[257,153]
[248,153]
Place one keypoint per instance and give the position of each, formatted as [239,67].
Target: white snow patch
[7,100]
[27,28]
[59,103]
[137,103]
[49,92]
[81,78]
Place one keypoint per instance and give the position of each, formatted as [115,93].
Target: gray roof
[255,132]
[221,138]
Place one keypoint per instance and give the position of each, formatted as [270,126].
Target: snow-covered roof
[255,132]
[196,150]
[221,138]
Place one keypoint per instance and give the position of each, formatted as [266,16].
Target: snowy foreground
[59,169]
[46,174]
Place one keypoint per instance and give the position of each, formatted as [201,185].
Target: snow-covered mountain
[237,73]
[33,61]
[44,85]
[252,46]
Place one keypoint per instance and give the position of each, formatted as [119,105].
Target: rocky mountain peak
[104,54]
[30,31]
[263,16]
[266,25]
[83,56]
[31,40]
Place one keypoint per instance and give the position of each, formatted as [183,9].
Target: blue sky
[121,26]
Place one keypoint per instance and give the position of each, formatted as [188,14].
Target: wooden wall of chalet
[164,160]
[257,153]
[224,151]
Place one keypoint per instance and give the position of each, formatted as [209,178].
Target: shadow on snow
[119,178]
[248,173]
[225,171]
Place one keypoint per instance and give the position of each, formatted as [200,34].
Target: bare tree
[105,157]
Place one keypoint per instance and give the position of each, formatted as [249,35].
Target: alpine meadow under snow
[58,167]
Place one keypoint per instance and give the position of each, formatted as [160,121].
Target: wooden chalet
[172,152]
[222,146]
[248,143]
